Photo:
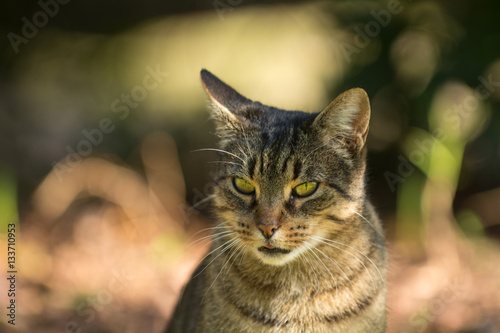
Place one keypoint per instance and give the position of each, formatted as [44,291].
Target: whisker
[209,229]
[243,255]
[311,248]
[337,265]
[325,240]
[312,151]
[231,242]
[202,201]
[211,237]
[220,225]
[364,218]
[314,271]
[242,151]
[247,141]
[237,250]
[220,151]
[226,162]
[225,263]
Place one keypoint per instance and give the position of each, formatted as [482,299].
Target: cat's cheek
[348,210]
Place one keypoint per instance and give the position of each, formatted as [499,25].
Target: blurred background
[101,108]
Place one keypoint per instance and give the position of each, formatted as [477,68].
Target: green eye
[243,186]
[305,189]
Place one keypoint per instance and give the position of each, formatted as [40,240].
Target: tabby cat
[298,247]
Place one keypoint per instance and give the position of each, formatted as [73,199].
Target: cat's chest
[291,295]
[293,306]
[291,310]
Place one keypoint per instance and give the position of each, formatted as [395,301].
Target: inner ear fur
[346,119]
[226,104]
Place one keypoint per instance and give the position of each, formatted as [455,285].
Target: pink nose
[268,229]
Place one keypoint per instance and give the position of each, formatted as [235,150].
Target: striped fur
[330,275]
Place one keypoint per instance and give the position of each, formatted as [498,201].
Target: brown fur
[330,274]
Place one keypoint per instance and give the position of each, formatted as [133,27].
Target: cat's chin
[276,256]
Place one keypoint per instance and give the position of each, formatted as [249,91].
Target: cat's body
[299,248]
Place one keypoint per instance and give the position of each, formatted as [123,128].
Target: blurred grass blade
[8,202]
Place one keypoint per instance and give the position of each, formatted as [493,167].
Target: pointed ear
[346,119]
[226,102]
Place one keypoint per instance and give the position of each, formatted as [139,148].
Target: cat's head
[286,179]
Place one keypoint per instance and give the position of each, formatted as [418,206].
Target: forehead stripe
[251,167]
[285,163]
[341,191]
[297,168]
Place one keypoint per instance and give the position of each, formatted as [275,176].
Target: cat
[298,247]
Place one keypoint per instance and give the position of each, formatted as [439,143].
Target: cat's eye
[243,186]
[305,189]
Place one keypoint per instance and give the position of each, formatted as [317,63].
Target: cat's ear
[346,119]
[227,103]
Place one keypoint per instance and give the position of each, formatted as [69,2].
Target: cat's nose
[268,229]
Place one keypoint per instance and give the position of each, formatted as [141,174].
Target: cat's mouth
[275,251]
